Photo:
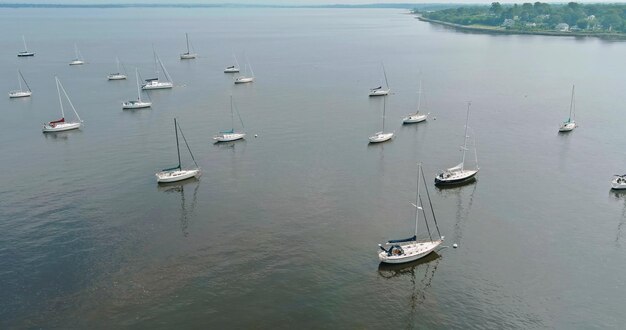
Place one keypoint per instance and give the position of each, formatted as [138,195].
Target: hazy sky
[281,2]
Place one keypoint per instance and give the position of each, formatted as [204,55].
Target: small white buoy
[255,135]
[455,245]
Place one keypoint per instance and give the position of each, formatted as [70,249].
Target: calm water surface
[282,229]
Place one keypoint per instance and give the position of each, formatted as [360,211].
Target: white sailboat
[188,55]
[118,75]
[380,91]
[569,124]
[416,117]
[178,173]
[618,182]
[231,135]
[61,124]
[79,57]
[245,78]
[459,174]
[381,136]
[232,68]
[138,104]
[155,83]
[410,249]
[21,92]
[25,52]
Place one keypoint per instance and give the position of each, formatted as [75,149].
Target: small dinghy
[618,182]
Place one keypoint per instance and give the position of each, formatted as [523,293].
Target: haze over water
[283,229]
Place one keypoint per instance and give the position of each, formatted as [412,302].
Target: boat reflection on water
[619,195]
[420,273]
[462,210]
[186,211]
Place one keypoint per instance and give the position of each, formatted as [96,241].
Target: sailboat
[138,104]
[569,124]
[410,249]
[245,78]
[232,68]
[79,57]
[231,135]
[416,117]
[380,91]
[178,173]
[381,136]
[20,92]
[118,75]
[618,182]
[155,83]
[188,55]
[62,125]
[459,174]
[25,52]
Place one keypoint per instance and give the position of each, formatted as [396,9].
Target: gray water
[282,229]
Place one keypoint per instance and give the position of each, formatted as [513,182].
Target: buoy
[255,135]
[455,245]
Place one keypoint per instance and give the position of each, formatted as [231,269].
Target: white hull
[157,85]
[453,177]
[136,105]
[177,175]
[380,137]
[411,251]
[618,183]
[414,118]
[243,80]
[25,54]
[229,137]
[567,127]
[17,94]
[77,62]
[379,92]
[60,127]
[188,56]
[231,70]
[116,76]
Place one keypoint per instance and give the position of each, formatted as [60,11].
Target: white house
[563,27]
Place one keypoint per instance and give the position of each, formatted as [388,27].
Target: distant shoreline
[201,5]
[495,30]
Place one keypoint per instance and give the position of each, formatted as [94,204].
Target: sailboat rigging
[118,75]
[78,60]
[25,52]
[459,174]
[188,55]
[416,117]
[177,173]
[155,83]
[570,123]
[380,91]
[413,248]
[231,135]
[21,92]
[381,136]
[60,124]
[138,104]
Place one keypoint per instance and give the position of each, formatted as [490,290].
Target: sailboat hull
[227,137]
[188,56]
[567,127]
[456,177]
[379,92]
[77,62]
[177,175]
[618,183]
[231,70]
[25,54]
[157,85]
[116,76]
[18,94]
[380,137]
[136,105]
[414,118]
[411,251]
[244,80]
[67,126]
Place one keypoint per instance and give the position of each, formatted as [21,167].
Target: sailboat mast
[232,117]
[138,89]
[571,104]
[117,61]
[60,101]
[25,48]
[385,74]
[177,146]
[187,38]
[19,80]
[384,110]
[417,196]
[465,137]
[20,72]
[76,51]
[419,98]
